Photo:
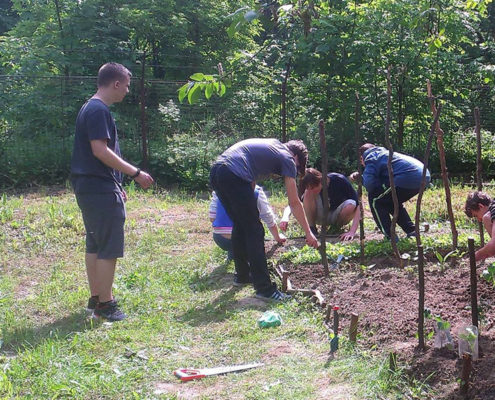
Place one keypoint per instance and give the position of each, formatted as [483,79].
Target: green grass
[183,312]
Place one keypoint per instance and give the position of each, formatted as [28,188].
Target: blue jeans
[224,244]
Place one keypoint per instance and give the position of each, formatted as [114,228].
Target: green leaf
[198,76]
[183,91]
[438,43]
[194,94]
[223,89]
[209,90]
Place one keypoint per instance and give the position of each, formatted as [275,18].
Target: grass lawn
[183,312]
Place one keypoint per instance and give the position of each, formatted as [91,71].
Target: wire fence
[178,141]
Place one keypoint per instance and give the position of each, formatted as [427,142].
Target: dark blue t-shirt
[88,174]
[340,190]
[256,159]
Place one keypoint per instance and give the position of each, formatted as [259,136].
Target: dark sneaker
[109,311]
[411,234]
[239,282]
[277,295]
[92,303]
[314,230]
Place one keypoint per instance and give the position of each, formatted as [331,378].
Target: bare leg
[346,215]
[309,204]
[91,272]
[105,272]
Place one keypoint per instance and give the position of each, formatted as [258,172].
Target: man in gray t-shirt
[233,177]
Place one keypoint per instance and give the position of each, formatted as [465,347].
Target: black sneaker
[277,296]
[92,303]
[109,311]
[239,282]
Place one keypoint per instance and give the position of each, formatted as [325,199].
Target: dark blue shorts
[104,216]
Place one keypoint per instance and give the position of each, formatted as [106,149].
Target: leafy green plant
[489,274]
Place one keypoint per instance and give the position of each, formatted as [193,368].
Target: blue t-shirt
[88,174]
[340,190]
[256,159]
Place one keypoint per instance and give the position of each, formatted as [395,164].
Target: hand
[124,195]
[144,179]
[311,240]
[283,225]
[281,238]
[345,237]
[354,176]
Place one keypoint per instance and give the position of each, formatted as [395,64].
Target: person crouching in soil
[342,199]
[481,206]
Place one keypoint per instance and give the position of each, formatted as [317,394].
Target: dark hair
[474,200]
[298,148]
[312,177]
[111,72]
[365,147]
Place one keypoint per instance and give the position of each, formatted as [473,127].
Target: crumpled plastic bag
[269,319]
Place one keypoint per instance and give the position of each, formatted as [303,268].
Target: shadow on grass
[216,279]
[222,308]
[29,337]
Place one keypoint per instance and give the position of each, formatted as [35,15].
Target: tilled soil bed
[385,297]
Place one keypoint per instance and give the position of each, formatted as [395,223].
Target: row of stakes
[353,328]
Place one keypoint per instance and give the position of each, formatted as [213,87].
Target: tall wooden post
[474,282]
[283,110]
[443,165]
[144,127]
[421,308]
[479,167]
[390,170]
[357,138]
[324,171]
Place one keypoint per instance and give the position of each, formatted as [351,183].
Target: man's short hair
[111,72]
[298,148]
[474,200]
[365,147]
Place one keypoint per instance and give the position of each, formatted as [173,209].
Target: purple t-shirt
[256,159]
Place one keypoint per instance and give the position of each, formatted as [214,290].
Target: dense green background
[50,52]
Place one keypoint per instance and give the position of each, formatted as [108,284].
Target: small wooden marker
[285,277]
[353,327]
[466,372]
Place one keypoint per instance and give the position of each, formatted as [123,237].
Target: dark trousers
[382,207]
[224,244]
[239,200]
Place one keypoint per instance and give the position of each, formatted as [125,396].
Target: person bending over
[222,224]
[407,174]
[232,176]
[481,206]
[342,199]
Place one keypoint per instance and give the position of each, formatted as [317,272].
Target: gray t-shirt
[256,159]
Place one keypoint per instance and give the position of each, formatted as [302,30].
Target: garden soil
[385,296]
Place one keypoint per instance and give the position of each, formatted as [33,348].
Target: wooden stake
[466,372]
[285,277]
[443,165]
[328,314]
[357,138]
[423,177]
[421,307]
[391,172]
[353,327]
[324,171]
[479,166]
[474,283]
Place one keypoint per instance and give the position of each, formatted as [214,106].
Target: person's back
[407,170]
